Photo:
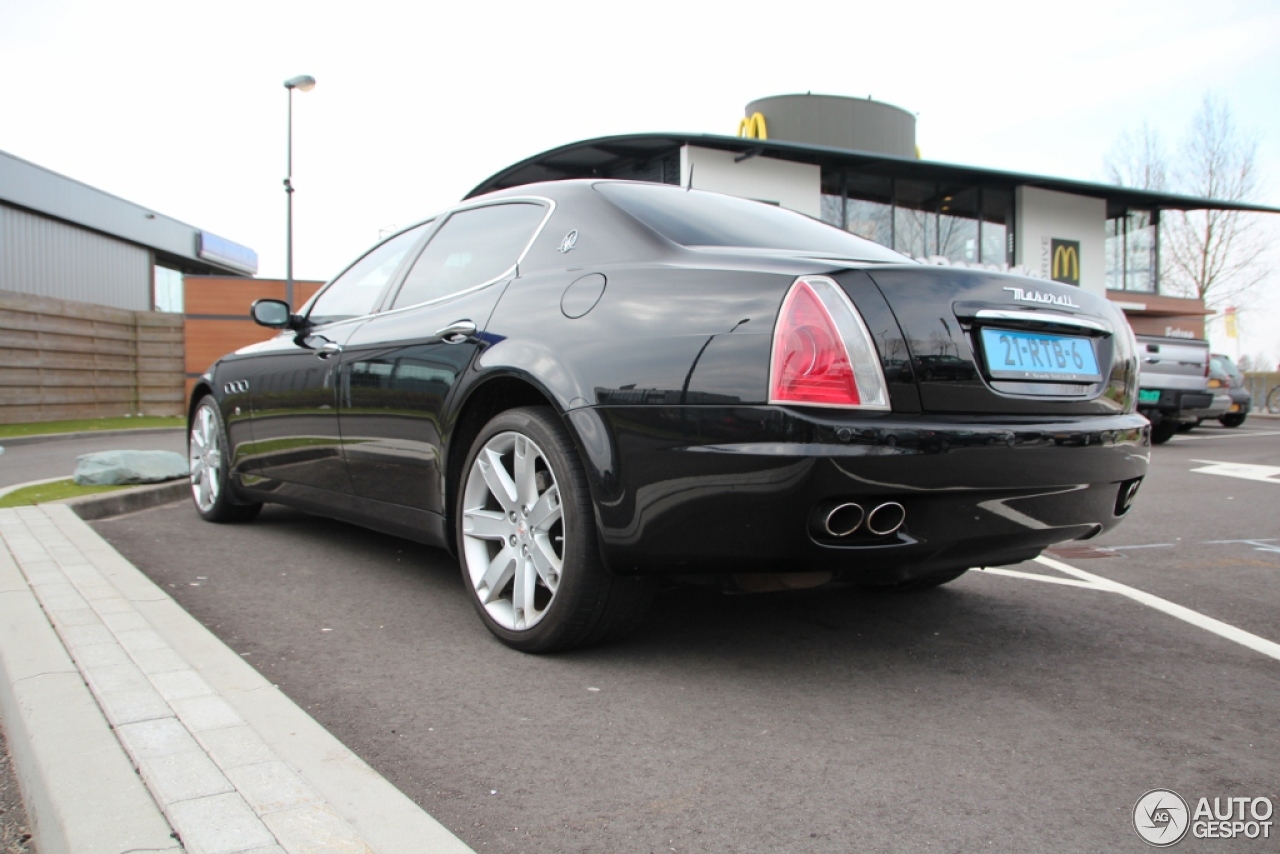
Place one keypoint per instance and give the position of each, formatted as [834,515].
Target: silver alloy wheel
[513,530]
[205,451]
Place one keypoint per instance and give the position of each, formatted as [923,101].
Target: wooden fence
[61,360]
[217,316]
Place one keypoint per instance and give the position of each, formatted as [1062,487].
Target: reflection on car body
[703,385]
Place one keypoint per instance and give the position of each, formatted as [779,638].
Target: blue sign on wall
[219,250]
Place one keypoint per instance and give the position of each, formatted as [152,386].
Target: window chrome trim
[505,274]
[1041,317]
[305,309]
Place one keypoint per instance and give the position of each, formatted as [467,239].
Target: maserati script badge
[1042,298]
[570,241]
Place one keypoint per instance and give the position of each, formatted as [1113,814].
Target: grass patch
[56,491]
[90,425]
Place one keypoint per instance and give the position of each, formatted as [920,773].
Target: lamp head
[303,82]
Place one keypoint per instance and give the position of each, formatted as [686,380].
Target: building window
[915,218]
[168,290]
[958,224]
[996,225]
[963,224]
[1131,252]
[869,210]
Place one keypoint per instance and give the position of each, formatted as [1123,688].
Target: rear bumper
[741,489]
[1185,406]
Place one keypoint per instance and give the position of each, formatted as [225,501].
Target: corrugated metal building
[64,239]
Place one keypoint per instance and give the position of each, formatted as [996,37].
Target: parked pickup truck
[1174,385]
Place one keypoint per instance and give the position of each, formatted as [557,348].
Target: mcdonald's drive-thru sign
[1064,265]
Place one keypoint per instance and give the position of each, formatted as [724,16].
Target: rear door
[400,368]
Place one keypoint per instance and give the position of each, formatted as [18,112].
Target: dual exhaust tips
[845,519]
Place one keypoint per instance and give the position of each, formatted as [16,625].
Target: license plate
[1039,356]
[1149,395]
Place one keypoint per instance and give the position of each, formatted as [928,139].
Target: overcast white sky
[180,106]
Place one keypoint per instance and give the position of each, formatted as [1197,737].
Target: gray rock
[110,468]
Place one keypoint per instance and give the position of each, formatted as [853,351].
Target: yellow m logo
[1066,264]
[753,127]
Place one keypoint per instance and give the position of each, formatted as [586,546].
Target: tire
[1235,419]
[1163,432]
[527,540]
[1273,401]
[207,450]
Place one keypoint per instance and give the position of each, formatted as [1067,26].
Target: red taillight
[810,359]
[822,352]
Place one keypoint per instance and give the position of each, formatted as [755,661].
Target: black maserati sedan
[579,387]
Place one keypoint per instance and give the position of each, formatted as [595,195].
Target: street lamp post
[306,83]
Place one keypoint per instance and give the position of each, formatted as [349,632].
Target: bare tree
[1209,254]
[1138,160]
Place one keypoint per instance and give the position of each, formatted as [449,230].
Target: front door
[295,390]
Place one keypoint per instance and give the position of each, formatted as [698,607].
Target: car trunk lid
[987,343]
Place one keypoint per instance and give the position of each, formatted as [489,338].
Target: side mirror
[273,313]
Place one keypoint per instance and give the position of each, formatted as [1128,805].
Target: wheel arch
[484,401]
[198,392]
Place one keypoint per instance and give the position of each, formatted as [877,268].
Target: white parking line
[1195,618]
[1244,471]
[1031,576]
[1227,435]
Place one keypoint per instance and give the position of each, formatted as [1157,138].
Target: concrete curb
[227,760]
[81,792]
[101,506]
[129,500]
[15,441]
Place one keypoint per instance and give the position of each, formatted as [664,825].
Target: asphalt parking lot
[1002,712]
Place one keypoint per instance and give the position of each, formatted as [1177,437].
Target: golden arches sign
[753,127]
[1066,262]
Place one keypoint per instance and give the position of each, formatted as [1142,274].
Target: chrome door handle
[328,349]
[457,332]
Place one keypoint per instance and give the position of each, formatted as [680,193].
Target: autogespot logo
[1161,818]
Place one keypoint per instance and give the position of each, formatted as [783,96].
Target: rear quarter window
[699,218]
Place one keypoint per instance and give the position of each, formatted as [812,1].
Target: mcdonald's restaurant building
[854,164]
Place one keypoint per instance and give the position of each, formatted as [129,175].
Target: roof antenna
[689,184]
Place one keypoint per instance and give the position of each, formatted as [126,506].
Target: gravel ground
[15,837]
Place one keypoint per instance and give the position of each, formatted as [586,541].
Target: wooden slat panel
[232,297]
[174,366]
[159,321]
[19,321]
[35,380]
[303,291]
[64,308]
[160,349]
[208,340]
[65,412]
[18,339]
[66,396]
[64,361]
[61,359]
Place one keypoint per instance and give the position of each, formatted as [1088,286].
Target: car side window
[473,247]
[355,293]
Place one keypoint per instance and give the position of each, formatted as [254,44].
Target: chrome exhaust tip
[886,518]
[843,519]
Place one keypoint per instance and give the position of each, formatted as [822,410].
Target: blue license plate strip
[1039,356]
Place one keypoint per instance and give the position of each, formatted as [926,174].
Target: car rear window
[698,218]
